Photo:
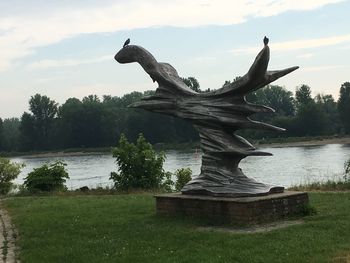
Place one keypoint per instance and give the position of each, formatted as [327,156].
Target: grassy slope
[124,228]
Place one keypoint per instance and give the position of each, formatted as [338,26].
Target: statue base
[226,210]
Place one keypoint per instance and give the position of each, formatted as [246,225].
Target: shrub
[8,172]
[139,166]
[307,210]
[183,176]
[347,169]
[47,178]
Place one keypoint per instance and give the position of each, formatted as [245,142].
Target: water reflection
[288,166]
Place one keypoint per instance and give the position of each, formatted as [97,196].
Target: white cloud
[306,55]
[318,68]
[298,44]
[50,63]
[21,34]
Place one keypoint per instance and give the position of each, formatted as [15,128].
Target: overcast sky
[64,49]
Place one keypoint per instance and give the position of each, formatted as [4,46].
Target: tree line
[99,122]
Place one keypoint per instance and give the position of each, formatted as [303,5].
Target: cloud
[319,68]
[298,44]
[22,33]
[306,55]
[51,63]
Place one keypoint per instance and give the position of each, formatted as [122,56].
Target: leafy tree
[44,111]
[28,136]
[70,123]
[344,106]
[37,127]
[80,122]
[183,176]
[310,120]
[1,133]
[91,134]
[10,134]
[8,172]
[303,96]
[228,82]
[276,97]
[139,166]
[329,108]
[347,170]
[47,178]
[192,83]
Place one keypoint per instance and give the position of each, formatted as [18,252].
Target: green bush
[183,176]
[47,178]
[307,210]
[8,172]
[139,166]
[347,169]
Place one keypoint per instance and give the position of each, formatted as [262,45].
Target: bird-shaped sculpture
[266,40]
[127,42]
[217,115]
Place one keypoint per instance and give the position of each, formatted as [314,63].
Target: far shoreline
[186,146]
[311,142]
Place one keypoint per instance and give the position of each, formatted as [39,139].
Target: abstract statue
[216,115]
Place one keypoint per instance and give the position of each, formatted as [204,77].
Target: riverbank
[275,143]
[304,141]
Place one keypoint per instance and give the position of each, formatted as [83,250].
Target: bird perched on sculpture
[266,40]
[127,42]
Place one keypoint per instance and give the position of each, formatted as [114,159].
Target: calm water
[288,166]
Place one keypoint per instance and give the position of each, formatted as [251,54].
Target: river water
[287,167]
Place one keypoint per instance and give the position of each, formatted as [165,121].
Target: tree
[139,166]
[70,123]
[1,134]
[344,106]
[10,134]
[192,83]
[28,136]
[39,124]
[91,125]
[80,122]
[8,172]
[329,108]
[303,96]
[276,97]
[310,118]
[228,82]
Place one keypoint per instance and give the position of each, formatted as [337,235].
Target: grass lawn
[124,228]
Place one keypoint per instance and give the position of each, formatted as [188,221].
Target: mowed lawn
[124,228]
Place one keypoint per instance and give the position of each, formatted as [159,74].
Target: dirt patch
[342,259]
[253,229]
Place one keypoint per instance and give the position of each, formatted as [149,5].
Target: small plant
[167,183]
[183,176]
[8,172]
[47,178]
[307,210]
[139,166]
[347,169]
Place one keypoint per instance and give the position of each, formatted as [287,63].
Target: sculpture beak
[122,56]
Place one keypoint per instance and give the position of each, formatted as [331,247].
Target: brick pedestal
[242,210]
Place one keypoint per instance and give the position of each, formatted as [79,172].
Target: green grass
[124,228]
[329,185]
